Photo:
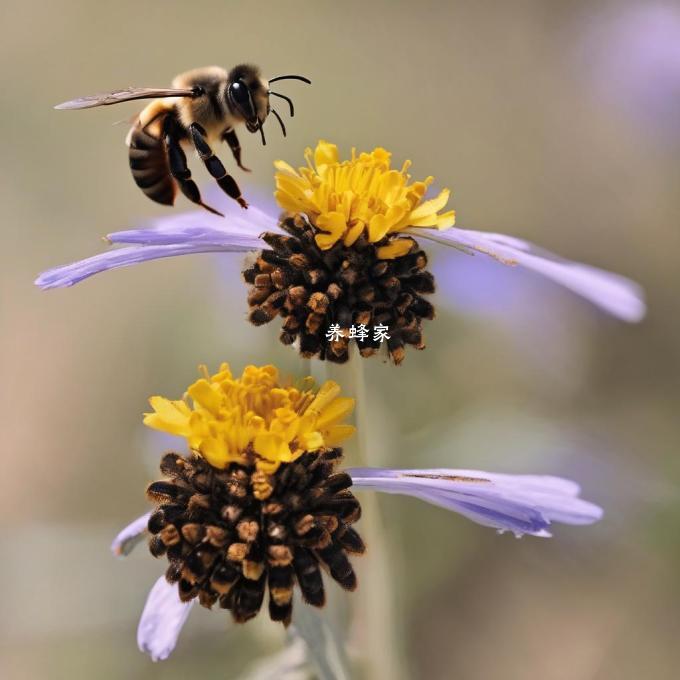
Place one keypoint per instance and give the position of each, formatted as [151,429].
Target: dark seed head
[231,534]
[312,289]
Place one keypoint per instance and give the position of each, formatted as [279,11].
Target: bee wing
[128,94]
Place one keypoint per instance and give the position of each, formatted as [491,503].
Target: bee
[202,108]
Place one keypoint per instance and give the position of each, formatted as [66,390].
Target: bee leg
[231,139]
[178,165]
[214,165]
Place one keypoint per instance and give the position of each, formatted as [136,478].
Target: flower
[256,503]
[344,254]
[641,40]
[236,524]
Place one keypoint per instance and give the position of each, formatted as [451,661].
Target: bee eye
[241,97]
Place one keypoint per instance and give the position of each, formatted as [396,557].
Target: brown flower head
[345,271]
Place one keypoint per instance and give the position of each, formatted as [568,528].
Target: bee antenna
[288,99]
[283,127]
[264,141]
[291,77]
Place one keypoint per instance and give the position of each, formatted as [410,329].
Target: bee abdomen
[149,166]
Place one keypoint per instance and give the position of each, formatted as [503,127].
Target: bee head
[248,96]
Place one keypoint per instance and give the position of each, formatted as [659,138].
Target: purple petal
[162,620]
[239,229]
[127,539]
[615,294]
[181,234]
[523,504]
[70,274]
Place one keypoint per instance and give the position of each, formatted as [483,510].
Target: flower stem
[325,650]
[377,620]
[375,635]
[321,630]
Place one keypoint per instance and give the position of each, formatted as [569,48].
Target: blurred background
[554,122]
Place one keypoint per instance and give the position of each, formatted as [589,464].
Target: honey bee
[203,107]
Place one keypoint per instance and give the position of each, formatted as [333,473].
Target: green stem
[377,619]
[375,629]
[321,630]
[325,650]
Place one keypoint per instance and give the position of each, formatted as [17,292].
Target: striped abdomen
[149,163]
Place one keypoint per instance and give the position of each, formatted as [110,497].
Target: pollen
[361,196]
[255,419]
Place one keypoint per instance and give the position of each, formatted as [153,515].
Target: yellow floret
[344,199]
[231,420]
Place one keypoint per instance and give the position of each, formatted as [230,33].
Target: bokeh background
[558,122]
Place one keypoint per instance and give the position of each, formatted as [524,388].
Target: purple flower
[198,232]
[522,504]
[633,58]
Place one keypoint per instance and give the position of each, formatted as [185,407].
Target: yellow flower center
[228,420]
[344,199]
